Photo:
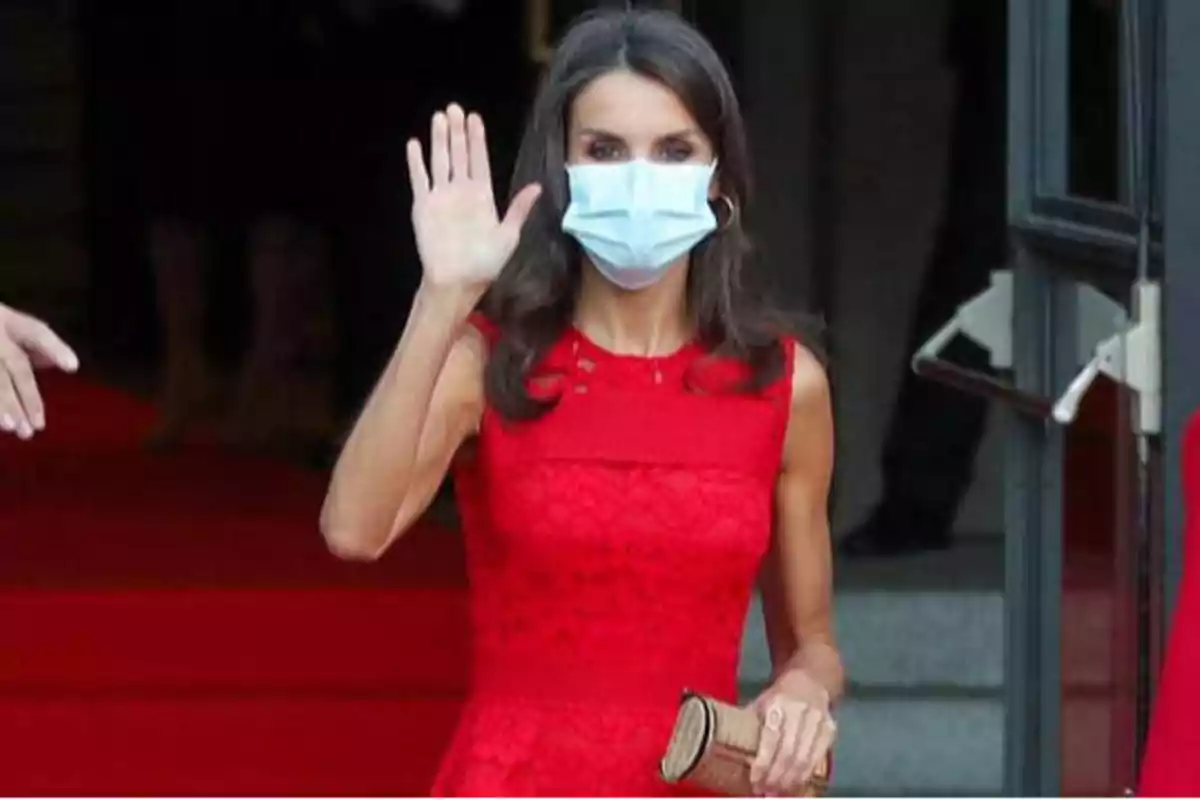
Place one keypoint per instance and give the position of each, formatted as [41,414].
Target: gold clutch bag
[713,745]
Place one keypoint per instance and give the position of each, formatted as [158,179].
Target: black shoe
[887,534]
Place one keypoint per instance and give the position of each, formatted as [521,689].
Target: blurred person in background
[236,223]
[935,430]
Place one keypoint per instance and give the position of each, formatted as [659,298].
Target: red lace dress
[612,548]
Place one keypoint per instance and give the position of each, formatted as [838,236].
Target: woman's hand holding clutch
[797,736]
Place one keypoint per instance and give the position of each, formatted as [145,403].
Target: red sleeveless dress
[1171,766]
[612,549]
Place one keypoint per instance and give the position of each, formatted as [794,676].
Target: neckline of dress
[597,352]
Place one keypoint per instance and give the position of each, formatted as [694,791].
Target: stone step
[922,719]
[905,639]
[925,713]
[938,620]
[923,642]
[952,745]
[935,743]
[932,620]
[920,746]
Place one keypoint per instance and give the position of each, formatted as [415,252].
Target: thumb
[520,208]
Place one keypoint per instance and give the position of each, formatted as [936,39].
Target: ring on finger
[774,719]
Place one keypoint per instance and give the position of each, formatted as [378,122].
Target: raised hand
[461,239]
[27,343]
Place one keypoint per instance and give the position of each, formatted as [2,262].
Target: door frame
[1048,225]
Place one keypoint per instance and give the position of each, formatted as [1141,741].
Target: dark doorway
[209,113]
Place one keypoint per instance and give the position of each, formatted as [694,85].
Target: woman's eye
[676,151]
[604,151]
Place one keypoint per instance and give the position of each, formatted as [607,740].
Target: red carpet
[171,624]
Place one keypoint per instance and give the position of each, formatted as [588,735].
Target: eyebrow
[599,133]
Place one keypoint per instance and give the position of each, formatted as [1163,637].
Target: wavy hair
[532,302]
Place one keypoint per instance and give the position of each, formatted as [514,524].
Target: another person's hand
[27,343]
[798,733]
[462,241]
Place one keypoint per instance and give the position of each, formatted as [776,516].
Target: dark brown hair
[532,302]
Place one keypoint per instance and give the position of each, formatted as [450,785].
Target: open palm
[461,239]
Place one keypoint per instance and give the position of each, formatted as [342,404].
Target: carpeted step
[173,624]
[343,640]
[195,744]
[85,505]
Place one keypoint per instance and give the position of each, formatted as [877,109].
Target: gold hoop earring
[731,216]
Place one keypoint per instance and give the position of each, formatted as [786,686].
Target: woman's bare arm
[430,397]
[427,402]
[797,578]
[798,728]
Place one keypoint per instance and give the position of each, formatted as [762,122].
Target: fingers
[796,737]
[784,759]
[826,736]
[768,745]
[481,168]
[43,345]
[20,371]
[439,149]
[801,762]
[15,369]
[457,151]
[520,208]
[459,164]
[418,177]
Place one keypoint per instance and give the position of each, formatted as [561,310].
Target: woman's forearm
[375,471]
[816,656]
[781,636]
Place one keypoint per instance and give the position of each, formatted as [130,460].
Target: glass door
[1072,324]
[1084,201]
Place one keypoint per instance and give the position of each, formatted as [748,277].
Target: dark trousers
[935,431]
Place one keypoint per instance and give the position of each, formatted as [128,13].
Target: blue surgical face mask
[635,218]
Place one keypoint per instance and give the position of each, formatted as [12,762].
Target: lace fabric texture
[612,549]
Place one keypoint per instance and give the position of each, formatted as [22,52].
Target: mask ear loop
[730,216]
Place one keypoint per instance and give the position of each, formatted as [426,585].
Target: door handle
[986,319]
[1130,357]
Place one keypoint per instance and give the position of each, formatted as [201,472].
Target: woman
[642,442]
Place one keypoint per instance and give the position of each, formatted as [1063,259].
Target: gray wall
[891,102]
